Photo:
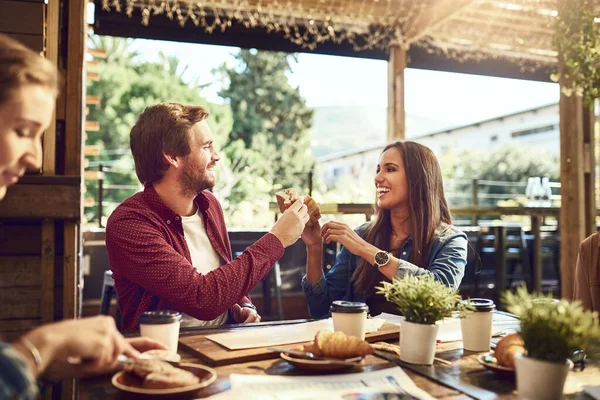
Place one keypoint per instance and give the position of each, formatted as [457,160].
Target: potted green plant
[423,301]
[552,330]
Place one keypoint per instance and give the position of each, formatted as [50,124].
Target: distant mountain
[337,129]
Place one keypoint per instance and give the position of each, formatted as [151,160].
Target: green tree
[270,135]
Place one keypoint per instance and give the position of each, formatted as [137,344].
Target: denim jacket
[447,260]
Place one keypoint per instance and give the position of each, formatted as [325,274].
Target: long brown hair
[20,66]
[427,207]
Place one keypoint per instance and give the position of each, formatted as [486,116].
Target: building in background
[535,127]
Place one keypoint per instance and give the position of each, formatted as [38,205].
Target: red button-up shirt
[151,262]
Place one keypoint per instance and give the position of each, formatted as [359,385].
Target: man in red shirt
[168,245]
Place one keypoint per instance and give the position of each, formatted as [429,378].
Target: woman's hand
[333,231]
[311,236]
[84,347]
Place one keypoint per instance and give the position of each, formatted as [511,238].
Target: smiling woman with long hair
[412,233]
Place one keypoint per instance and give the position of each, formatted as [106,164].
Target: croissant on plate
[337,345]
[507,348]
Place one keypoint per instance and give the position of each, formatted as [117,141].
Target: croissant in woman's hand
[338,345]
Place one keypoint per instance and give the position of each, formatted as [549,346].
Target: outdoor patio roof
[503,38]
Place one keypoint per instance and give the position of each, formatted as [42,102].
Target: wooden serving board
[216,355]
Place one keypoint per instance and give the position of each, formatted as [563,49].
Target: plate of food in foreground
[154,377]
[331,351]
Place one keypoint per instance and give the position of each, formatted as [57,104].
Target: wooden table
[464,368]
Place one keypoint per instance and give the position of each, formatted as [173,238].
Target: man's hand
[245,315]
[289,227]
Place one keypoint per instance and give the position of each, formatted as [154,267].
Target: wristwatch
[382,258]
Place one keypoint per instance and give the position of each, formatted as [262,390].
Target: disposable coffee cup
[349,317]
[162,326]
[477,326]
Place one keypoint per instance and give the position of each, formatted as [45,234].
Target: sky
[456,99]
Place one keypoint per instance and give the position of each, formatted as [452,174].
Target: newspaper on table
[328,387]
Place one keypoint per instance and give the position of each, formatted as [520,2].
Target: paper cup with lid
[476,327]
[349,317]
[162,326]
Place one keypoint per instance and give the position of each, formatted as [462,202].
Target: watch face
[382,258]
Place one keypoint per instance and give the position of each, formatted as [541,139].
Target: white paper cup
[477,326]
[162,326]
[349,317]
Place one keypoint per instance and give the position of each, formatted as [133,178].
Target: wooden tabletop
[463,367]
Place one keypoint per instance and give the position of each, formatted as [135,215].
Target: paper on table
[277,335]
[449,327]
[330,387]
[593,391]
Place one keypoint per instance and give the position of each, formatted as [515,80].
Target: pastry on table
[159,354]
[338,345]
[287,197]
[170,379]
[506,349]
[158,374]
[142,367]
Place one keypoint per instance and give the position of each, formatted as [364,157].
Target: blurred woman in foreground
[28,90]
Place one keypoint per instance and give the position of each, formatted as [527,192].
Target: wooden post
[572,210]
[74,117]
[589,172]
[536,267]
[396,113]
[475,199]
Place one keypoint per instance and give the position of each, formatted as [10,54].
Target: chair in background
[272,282]
[470,282]
[108,292]
[505,258]
[550,240]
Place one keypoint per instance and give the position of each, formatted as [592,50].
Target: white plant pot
[540,380]
[417,342]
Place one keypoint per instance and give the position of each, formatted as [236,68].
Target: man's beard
[193,180]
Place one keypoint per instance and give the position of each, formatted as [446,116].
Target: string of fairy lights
[519,30]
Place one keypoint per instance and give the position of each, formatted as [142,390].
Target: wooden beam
[97,53]
[435,17]
[396,113]
[30,20]
[47,268]
[92,126]
[71,271]
[52,37]
[34,42]
[42,201]
[93,76]
[572,210]
[92,100]
[589,172]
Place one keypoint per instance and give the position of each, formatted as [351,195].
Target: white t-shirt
[204,259]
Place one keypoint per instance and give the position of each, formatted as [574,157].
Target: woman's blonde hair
[20,66]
